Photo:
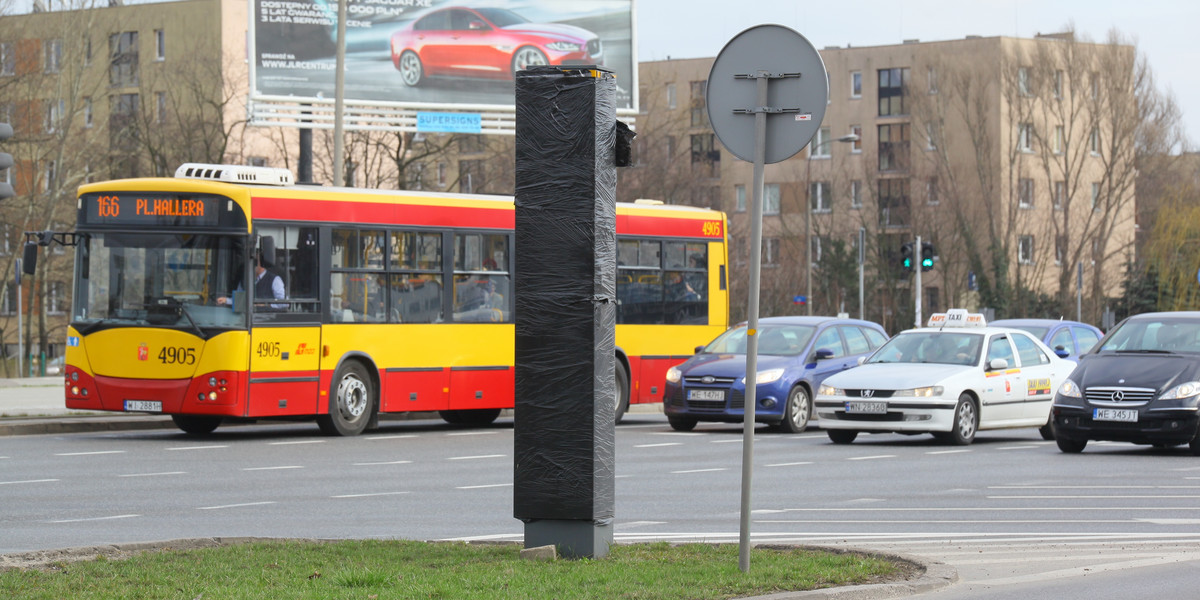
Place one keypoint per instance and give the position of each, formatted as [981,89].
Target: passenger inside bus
[267,286]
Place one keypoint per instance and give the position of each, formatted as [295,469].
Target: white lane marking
[1015,447]
[4,457]
[278,468]
[949,451]
[871,457]
[737,441]
[1186,469]
[296,442]
[479,487]
[639,524]
[658,445]
[1093,487]
[90,453]
[986,509]
[153,474]
[390,437]
[234,505]
[940,521]
[679,433]
[471,433]
[1143,497]
[27,481]
[390,462]
[94,519]
[213,447]
[1087,571]
[1170,521]
[478,538]
[698,471]
[794,464]
[477,457]
[368,495]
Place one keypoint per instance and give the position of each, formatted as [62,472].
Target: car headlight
[826,390]
[564,46]
[1181,391]
[1070,389]
[921,392]
[674,375]
[767,376]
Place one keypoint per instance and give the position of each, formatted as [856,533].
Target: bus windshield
[160,280]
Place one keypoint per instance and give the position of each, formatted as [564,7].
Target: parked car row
[959,375]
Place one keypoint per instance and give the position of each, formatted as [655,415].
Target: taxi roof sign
[957,317]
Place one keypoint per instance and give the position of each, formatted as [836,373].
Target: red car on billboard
[489,43]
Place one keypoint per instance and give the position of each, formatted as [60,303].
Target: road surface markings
[680,433]
[90,453]
[153,474]
[368,495]
[737,441]
[27,481]
[1093,487]
[477,457]
[941,521]
[296,442]
[659,445]
[94,519]
[949,451]
[234,505]
[479,487]
[984,509]
[793,464]
[698,471]
[390,437]
[278,468]
[213,447]
[871,457]
[471,433]
[1144,497]
[639,524]
[390,462]
[1016,447]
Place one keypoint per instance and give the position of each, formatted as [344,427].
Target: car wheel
[966,421]
[622,393]
[682,423]
[1047,430]
[527,56]
[351,403]
[412,73]
[1070,446]
[797,412]
[841,436]
[196,425]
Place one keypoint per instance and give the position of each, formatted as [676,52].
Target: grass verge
[371,569]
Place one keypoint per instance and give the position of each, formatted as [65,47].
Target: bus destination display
[179,210]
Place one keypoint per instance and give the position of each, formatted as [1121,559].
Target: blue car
[1068,339]
[795,354]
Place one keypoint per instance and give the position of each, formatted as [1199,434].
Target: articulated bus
[391,301]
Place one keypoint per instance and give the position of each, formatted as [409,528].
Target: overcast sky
[1165,31]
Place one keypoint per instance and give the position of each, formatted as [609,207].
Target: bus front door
[284,370]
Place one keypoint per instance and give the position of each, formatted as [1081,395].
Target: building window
[8,60]
[1094,141]
[819,196]
[441,174]
[931,79]
[1060,194]
[1096,197]
[771,199]
[56,299]
[894,205]
[739,198]
[1025,192]
[1060,249]
[256,161]
[932,196]
[1025,137]
[819,146]
[49,174]
[1058,84]
[1095,85]
[54,110]
[856,194]
[856,84]
[52,55]
[770,251]
[699,104]
[930,137]
[670,148]
[1059,138]
[672,98]
[893,84]
[160,107]
[933,300]
[856,145]
[123,59]
[705,155]
[160,45]
[88,114]
[893,147]
[1025,250]
[815,242]
[1024,87]
[122,115]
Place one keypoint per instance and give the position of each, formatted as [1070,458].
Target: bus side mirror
[29,259]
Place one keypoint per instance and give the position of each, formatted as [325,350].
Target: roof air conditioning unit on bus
[235,174]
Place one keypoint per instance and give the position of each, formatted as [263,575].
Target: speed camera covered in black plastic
[565,292]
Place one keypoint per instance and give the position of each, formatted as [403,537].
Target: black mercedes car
[1140,384]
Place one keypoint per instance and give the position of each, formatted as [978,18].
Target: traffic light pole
[917,280]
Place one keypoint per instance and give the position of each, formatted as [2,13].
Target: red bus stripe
[383,213]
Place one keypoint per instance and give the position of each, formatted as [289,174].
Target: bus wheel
[622,395]
[351,404]
[476,416]
[196,425]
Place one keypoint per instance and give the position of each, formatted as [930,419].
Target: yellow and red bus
[392,301]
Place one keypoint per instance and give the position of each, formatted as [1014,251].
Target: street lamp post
[808,300]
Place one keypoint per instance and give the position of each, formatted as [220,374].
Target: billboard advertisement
[439,52]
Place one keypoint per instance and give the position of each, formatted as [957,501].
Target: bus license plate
[706,394]
[1113,414]
[143,406]
[867,408]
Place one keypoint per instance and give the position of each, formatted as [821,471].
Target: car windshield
[785,340]
[941,347]
[502,17]
[1154,335]
[158,280]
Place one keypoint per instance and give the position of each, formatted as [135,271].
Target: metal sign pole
[20,335]
[862,258]
[917,280]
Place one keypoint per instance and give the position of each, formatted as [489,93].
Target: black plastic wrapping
[565,294]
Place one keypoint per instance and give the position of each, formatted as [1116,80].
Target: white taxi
[953,378]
